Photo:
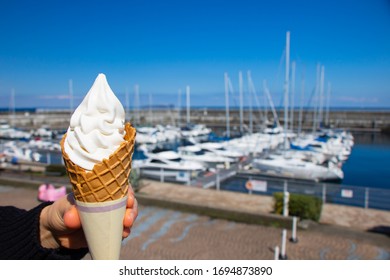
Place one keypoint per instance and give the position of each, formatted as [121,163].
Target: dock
[213,179]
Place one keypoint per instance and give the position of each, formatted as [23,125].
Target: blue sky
[166,45]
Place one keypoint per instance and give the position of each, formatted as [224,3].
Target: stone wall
[216,119]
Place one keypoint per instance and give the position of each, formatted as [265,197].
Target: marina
[277,145]
[238,131]
[224,165]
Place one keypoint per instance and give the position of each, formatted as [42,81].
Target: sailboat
[295,168]
[8,132]
[289,164]
[16,154]
[204,156]
[167,164]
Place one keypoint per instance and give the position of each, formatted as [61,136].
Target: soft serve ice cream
[97,126]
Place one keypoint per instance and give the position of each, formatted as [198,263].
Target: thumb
[72,218]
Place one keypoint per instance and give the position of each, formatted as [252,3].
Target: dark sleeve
[20,238]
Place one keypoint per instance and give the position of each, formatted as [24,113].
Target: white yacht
[170,133]
[195,153]
[280,166]
[198,131]
[8,132]
[254,143]
[44,132]
[221,149]
[147,135]
[331,148]
[44,145]
[157,134]
[306,155]
[169,166]
[14,153]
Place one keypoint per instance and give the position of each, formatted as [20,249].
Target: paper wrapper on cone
[103,225]
[101,196]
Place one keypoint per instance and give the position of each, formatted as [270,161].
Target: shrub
[302,206]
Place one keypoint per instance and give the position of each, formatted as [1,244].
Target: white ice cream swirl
[97,126]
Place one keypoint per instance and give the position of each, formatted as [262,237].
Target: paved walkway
[348,216]
[168,234]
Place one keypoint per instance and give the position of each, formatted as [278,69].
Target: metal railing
[365,197]
[165,175]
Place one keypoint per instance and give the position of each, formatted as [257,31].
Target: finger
[63,204]
[126,232]
[130,200]
[75,240]
[135,210]
[72,218]
[128,220]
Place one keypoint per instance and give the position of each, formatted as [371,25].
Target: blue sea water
[368,166]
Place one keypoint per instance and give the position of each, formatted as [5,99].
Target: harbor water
[368,164]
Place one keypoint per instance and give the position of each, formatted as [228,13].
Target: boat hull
[303,172]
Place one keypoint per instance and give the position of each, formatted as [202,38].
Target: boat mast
[292,95]
[268,95]
[316,92]
[188,104]
[265,110]
[179,107]
[150,109]
[127,101]
[136,103]
[227,105]
[253,97]
[286,86]
[251,93]
[301,103]
[327,104]
[12,106]
[240,81]
[70,96]
[320,115]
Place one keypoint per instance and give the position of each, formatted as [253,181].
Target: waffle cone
[108,180]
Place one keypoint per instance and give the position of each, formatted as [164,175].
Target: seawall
[353,120]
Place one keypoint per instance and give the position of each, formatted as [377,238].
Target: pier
[213,179]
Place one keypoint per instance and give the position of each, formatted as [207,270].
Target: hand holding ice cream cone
[60,224]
